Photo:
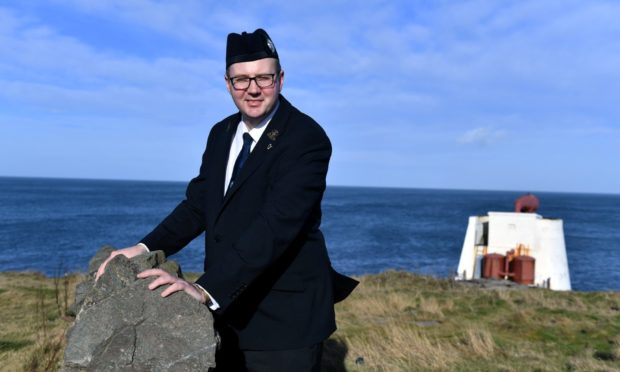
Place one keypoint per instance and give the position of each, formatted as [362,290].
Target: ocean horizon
[184,182]
[54,225]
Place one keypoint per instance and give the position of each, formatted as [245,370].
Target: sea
[54,226]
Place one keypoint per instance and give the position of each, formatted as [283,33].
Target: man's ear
[281,79]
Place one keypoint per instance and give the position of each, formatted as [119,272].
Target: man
[268,278]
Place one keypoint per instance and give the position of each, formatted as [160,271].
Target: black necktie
[241,158]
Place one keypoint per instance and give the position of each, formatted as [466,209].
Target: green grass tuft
[13,345]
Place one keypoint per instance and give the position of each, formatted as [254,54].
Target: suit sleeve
[294,194]
[187,220]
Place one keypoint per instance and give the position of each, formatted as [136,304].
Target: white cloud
[479,53]
[482,136]
[467,71]
[186,19]
[53,73]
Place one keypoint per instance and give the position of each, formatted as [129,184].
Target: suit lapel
[222,153]
[264,147]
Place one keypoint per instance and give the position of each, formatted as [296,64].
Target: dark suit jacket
[266,263]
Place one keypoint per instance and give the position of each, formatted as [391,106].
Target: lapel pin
[273,135]
[269,146]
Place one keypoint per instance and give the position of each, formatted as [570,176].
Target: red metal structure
[527,203]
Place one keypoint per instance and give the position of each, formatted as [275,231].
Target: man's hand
[176,284]
[127,252]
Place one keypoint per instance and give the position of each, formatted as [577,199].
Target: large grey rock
[121,325]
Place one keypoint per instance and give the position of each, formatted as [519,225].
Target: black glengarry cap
[246,47]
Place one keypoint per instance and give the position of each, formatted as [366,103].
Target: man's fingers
[162,280]
[127,252]
[101,269]
[174,287]
[174,284]
[151,272]
[162,277]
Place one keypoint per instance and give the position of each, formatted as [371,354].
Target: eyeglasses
[243,82]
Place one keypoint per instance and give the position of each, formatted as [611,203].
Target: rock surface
[121,325]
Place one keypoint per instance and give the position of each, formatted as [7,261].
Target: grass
[399,321]
[33,320]
[394,321]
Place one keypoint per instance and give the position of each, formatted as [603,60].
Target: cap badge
[271,46]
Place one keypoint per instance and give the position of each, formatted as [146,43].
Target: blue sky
[501,95]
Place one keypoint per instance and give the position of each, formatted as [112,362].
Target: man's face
[255,103]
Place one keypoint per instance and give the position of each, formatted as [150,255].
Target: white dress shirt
[235,149]
[237,143]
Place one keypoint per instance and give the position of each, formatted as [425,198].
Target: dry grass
[398,321]
[382,350]
[479,342]
[32,309]
[394,321]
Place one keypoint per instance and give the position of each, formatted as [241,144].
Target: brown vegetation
[394,321]
[33,312]
[399,321]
